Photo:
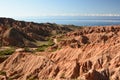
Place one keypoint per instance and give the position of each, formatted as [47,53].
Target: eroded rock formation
[91,53]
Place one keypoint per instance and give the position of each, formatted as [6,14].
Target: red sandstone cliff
[91,53]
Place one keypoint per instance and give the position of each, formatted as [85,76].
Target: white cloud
[77,14]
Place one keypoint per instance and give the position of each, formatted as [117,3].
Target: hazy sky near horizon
[24,8]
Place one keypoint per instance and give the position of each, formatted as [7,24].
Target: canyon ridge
[59,52]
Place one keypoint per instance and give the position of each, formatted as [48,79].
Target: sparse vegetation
[15,76]
[2,73]
[32,77]
[42,48]
[45,46]
[7,51]
[50,43]
[26,49]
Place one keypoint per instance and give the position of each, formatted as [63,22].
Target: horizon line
[65,15]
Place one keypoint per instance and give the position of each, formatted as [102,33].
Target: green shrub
[32,77]
[2,73]
[42,48]
[45,46]
[26,49]
[50,43]
[7,52]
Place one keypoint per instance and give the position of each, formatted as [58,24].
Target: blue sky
[24,8]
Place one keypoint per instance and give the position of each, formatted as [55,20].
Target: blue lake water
[83,22]
[79,21]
